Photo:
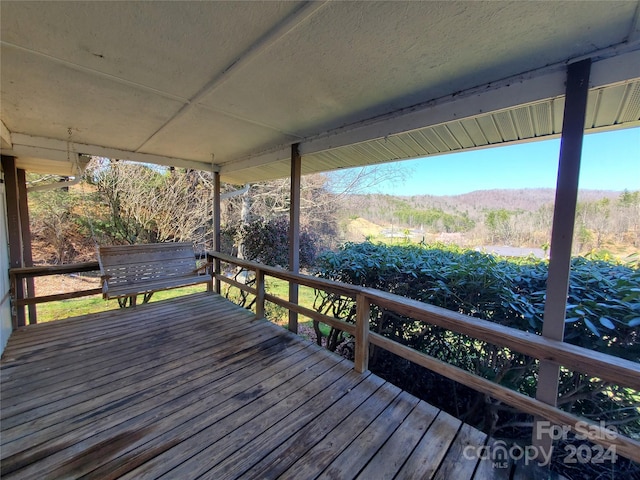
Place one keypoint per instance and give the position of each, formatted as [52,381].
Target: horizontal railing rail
[19,300]
[606,367]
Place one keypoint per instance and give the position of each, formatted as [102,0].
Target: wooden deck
[195,387]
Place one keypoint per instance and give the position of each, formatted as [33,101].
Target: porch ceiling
[180,83]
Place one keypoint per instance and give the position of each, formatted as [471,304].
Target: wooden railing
[606,367]
[18,275]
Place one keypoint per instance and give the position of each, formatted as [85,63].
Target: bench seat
[131,270]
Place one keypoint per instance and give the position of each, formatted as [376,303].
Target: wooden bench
[131,270]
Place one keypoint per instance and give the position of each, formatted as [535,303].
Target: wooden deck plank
[355,457]
[343,397]
[456,464]
[151,339]
[174,429]
[162,371]
[161,401]
[305,457]
[33,335]
[118,369]
[426,457]
[223,439]
[390,458]
[197,387]
[112,329]
[236,399]
[135,336]
[152,344]
[116,391]
[207,396]
[137,328]
[492,468]
[305,428]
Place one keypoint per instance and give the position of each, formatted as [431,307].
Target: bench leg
[130,300]
[147,297]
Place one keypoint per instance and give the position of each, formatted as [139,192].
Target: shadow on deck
[195,387]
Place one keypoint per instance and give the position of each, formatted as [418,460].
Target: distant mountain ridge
[383,209]
[528,199]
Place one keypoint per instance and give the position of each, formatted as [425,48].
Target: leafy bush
[268,242]
[603,310]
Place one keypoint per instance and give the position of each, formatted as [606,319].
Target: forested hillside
[519,218]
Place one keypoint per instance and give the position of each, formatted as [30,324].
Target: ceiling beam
[53,149]
[5,136]
[34,152]
[264,158]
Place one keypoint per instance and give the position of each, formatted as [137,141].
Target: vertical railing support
[577,90]
[25,229]
[216,230]
[259,293]
[210,260]
[14,231]
[294,231]
[363,312]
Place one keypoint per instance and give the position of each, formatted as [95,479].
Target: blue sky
[610,161]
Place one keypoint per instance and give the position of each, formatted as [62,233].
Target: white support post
[577,89]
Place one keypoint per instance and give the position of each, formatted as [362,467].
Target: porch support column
[27,252]
[14,228]
[577,89]
[216,229]
[294,231]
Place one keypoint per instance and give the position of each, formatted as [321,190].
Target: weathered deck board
[456,464]
[390,458]
[195,387]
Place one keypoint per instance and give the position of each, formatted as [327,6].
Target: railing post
[294,232]
[209,259]
[216,271]
[13,300]
[14,234]
[27,254]
[363,312]
[217,241]
[259,293]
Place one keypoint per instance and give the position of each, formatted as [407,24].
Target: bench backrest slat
[135,265]
[132,254]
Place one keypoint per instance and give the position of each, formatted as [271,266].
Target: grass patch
[280,288]
[73,308]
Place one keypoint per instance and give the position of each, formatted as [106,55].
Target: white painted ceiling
[231,85]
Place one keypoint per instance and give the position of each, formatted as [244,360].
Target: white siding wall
[5,308]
